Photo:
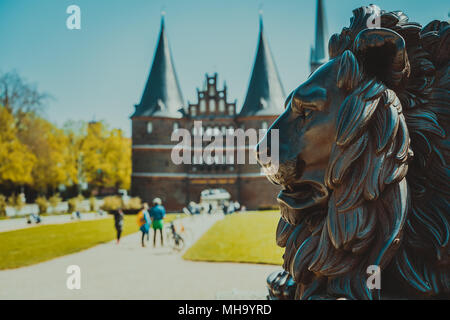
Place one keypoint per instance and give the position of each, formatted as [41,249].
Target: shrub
[92,204]
[73,203]
[112,203]
[2,205]
[55,200]
[134,204]
[16,201]
[43,204]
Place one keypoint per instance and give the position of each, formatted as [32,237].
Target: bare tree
[19,96]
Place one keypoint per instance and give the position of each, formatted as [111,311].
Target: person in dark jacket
[118,223]
[157,214]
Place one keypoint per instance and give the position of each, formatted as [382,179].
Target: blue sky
[100,71]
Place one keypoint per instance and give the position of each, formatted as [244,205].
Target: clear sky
[99,72]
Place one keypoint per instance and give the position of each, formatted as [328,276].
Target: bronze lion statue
[364,156]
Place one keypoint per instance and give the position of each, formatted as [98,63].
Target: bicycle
[176,241]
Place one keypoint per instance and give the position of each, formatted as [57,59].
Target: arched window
[149,127]
[212,105]
[202,106]
[221,105]
[212,89]
[264,125]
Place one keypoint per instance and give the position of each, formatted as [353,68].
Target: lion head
[345,148]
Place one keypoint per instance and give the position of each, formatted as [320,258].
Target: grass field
[248,237]
[28,246]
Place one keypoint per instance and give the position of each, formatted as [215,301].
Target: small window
[149,127]
[212,89]
[202,106]
[221,105]
[264,125]
[212,105]
[175,126]
[230,110]
[193,111]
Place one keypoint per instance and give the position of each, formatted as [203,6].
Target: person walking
[144,222]
[118,223]
[157,214]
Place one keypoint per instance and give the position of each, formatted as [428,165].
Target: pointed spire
[162,94]
[265,94]
[319,53]
[261,25]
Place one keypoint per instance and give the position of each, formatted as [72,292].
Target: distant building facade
[162,110]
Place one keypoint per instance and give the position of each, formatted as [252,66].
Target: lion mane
[387,177]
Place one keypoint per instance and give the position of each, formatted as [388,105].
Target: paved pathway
[21,223]
[127,271]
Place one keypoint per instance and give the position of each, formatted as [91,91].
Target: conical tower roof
[162,94]
[319,54]
[265,94]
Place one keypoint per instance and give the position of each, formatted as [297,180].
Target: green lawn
[247,237]
[25,247]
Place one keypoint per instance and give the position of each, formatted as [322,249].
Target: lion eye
[306,113]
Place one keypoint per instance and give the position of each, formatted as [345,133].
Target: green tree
[106,157]
[16,159]
[50,147]
[2,205]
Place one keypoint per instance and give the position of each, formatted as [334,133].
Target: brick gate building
[162,110]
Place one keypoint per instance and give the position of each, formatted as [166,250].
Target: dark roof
[265,94]
[162,94]
[319,53]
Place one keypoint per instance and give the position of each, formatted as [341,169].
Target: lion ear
[382,53]
[348,75]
